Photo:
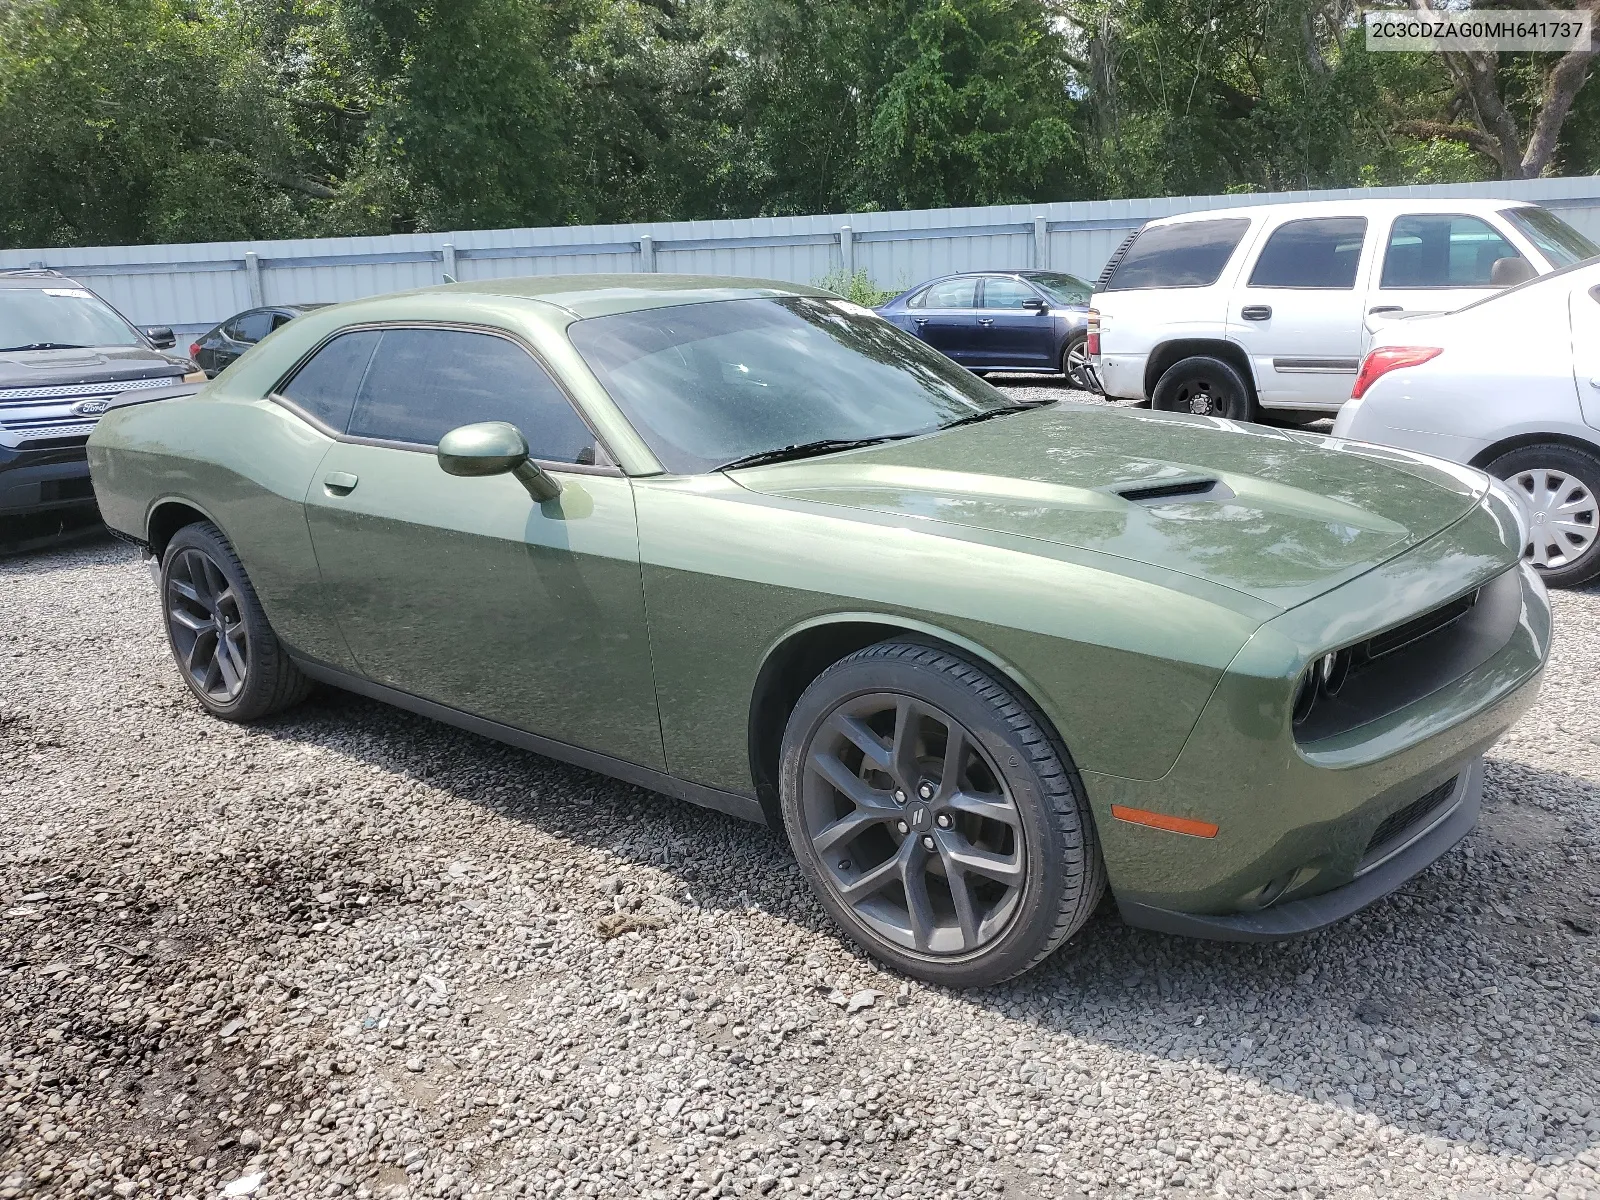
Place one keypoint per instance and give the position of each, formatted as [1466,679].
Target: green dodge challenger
[749,545]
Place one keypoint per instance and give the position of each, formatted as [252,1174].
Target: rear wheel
[1206,387]
[1560,486]
[1076,364]
[219,635]
[936,817]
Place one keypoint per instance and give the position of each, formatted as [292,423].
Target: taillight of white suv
[1384,359]
[1091,345]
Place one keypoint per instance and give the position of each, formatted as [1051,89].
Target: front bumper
[37,480]
[1458,814]
[1298,821]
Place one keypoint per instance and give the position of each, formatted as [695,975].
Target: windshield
[1559,242]
[1063,289]
[706,384]
[63,316]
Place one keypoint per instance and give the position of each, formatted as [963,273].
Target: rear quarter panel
[245,463]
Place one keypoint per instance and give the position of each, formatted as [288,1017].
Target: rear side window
[1000,292]
[251,327]
[1188,254]
[952,293]
[1323,252]
[1442,250]
[425,382]
[325,387]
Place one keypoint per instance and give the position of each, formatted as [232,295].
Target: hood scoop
[1180,489]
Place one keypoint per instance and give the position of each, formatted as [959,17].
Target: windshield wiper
[809,450]
[974,418]
[44,346]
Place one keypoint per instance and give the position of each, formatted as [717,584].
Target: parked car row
[1465,330]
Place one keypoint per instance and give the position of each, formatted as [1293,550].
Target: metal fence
[195,285]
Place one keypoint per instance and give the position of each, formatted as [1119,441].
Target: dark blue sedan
[1002,321]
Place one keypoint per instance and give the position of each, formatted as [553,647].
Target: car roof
[36,278]
[1353,206]
[605,295]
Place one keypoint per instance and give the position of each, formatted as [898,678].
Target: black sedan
[227,341]
[1003,321]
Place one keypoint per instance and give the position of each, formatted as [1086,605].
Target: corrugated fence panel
[192,286]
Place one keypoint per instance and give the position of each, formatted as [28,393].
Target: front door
[467,591]
[1011,335]
[1297,313]
[1437,262]
[946,317]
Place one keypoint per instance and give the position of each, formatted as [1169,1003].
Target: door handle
[985,320]
[1594,381]
[919,320]
[340,483]
[1256,312]
[1383,308]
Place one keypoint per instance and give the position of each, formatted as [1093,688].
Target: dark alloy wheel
[208,633]
[935,816]
[1206,387]
[1077,366]
[220,638]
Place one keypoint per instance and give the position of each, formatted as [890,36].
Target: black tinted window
[1321,253]
[1188,254]
[1443,250]
[425,382]
[326,386]
[251,327]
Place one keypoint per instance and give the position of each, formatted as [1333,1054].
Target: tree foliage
[190,120]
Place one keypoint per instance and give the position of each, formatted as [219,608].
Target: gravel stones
[355,953]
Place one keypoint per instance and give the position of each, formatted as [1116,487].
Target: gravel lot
[351,952]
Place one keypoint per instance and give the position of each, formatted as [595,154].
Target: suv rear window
[1188,254]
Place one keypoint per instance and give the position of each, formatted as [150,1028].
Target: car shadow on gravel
[1465,1006]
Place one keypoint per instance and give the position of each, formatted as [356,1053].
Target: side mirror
[161,336]
[494,448]
[1508,272]
[1035,305]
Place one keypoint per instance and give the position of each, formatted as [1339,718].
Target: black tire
[1080,374]
[219,636]
[1011,764]
[1206,386]
[1562,487]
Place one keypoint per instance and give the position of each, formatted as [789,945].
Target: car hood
[1281,516]
[91,364]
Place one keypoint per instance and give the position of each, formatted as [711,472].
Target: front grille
[1397,828]
[110,387]
[1345,689]
[1428,623]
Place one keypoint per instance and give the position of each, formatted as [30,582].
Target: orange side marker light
[1155,820]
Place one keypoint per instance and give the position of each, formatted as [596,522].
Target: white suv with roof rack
[1229,312]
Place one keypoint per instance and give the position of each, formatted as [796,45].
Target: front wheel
[936,816]
[1206,387]
[218,632]
[1560,489]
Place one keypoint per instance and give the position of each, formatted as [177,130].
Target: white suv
[1230,311]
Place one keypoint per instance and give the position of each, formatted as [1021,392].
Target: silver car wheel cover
[1563,516]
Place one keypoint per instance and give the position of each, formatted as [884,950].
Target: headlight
[1519,511]
[195,376]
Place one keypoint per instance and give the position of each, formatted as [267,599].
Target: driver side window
[422,383]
